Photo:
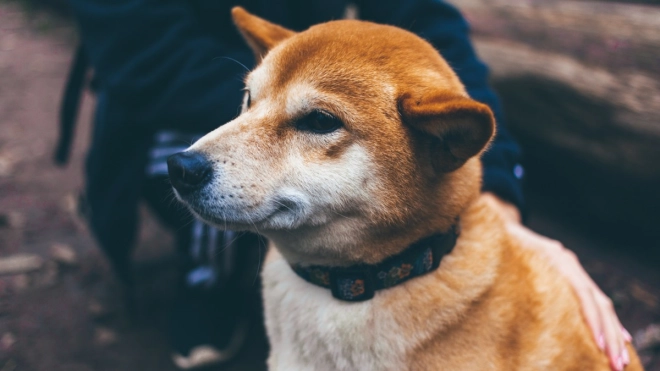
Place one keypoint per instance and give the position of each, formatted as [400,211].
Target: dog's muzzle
[189,171]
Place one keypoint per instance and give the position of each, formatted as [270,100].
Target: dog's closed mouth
[284,205]
[285,209]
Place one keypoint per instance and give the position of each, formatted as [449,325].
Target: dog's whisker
[256,276]
[265,246]
[336,213]
[224,219]
[234,60]
[227,245]
[186,224]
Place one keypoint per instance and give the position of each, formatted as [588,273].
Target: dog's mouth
[222,222]
[221,216]
[277,213]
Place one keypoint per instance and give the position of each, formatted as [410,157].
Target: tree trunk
[580,82]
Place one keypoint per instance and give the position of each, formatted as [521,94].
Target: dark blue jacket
[170,64]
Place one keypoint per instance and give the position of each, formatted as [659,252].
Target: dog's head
[352,136]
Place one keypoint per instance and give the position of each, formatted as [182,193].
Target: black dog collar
[360,282]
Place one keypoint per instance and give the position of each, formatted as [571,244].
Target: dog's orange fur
[491,305]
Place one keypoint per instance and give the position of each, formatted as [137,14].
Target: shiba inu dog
[357,155]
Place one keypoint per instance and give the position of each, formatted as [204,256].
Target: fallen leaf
[20,263]
[648,338]
[641,294]
[64,254]
[7,341]
[104,336]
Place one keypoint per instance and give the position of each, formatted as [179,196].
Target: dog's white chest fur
[310,330]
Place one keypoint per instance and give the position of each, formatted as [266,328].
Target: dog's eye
[319,122]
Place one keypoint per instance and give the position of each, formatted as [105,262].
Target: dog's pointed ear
[460,127]
[260,34]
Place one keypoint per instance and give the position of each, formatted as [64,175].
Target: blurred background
[580,82]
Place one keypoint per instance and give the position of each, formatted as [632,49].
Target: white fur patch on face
[258,79]
[320,191]
[246,101]
[301,99]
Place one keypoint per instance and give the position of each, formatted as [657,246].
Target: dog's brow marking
[234,60]
[258,79]
[300,99]
[303,98]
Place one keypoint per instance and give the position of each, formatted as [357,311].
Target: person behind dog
[167,72]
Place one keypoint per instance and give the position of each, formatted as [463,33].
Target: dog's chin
[278,213]
[273,220]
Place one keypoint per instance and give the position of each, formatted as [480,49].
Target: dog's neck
[361,281]
[351,240]
[477,222]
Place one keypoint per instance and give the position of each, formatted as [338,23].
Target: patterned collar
[360,282]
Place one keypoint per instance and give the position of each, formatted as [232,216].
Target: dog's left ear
[460,127]
[260,34]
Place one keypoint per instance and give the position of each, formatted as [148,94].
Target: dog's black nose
[188,171]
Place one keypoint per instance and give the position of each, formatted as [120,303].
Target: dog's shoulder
[545,328]
[526,317]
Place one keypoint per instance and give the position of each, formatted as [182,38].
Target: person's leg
[217,271]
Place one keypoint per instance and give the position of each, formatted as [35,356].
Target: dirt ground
[66,313]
